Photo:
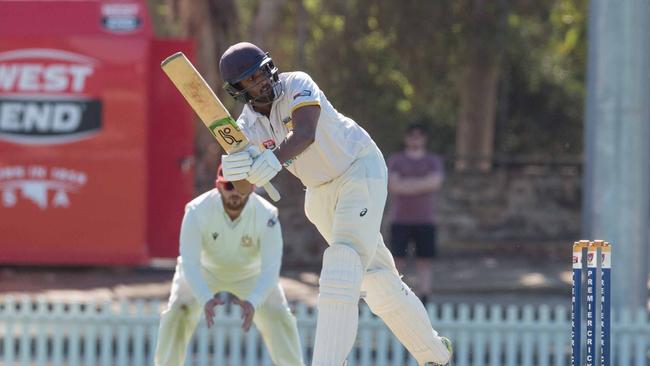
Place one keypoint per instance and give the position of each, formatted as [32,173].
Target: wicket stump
[592,248]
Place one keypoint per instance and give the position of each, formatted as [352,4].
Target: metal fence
[37,332]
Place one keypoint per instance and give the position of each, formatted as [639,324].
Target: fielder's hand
[208,309]
[236,166]
[264,168]
[247,312]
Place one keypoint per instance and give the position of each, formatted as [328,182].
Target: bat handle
[243,186]
[272,192]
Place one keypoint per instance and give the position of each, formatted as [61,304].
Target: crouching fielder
[230,242]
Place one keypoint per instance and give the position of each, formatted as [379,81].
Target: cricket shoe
[450,348]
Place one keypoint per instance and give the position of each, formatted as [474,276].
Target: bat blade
[208,107]
[204,102]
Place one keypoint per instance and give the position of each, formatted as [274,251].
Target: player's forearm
[190,251]
[194,278]
[265,283]
[305,122]
[293,145]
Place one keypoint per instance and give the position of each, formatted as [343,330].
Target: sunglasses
[228,186]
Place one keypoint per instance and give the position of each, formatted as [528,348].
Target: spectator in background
[414,177]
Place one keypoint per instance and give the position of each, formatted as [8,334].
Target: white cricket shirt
[339,140]
[230,250]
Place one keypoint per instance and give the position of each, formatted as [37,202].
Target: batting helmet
[242,60]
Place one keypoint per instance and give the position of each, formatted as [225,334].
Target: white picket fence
[35,332]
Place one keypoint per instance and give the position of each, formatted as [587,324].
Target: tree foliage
[386,63]
[543,85]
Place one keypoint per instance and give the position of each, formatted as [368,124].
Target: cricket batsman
[346,186]
[230,242]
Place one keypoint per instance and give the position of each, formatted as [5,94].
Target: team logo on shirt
[269,144]
[215,235]
[304,93]
[363,212]
[272,221]
[246,241]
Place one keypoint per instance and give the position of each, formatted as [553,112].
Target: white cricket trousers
[273,320]
[348,211]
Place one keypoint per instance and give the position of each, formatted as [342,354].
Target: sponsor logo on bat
[226,135]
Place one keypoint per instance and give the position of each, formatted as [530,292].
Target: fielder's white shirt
[230,250]
[339,139]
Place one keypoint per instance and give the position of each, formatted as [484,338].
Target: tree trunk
[478,87]
[477,115]
[266,16]
[301,35]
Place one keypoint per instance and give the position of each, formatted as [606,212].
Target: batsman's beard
[267,97]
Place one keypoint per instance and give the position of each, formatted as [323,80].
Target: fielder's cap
[220,178]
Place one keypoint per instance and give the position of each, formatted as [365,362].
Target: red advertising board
[171,148]
[75,133]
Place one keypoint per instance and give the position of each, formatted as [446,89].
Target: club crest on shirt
[246,241]
[269,144]
[272,221]
[304,93]
[215,235]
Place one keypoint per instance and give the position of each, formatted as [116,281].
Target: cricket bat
[209,108]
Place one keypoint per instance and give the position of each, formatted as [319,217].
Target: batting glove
[236,166]
[265,167]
